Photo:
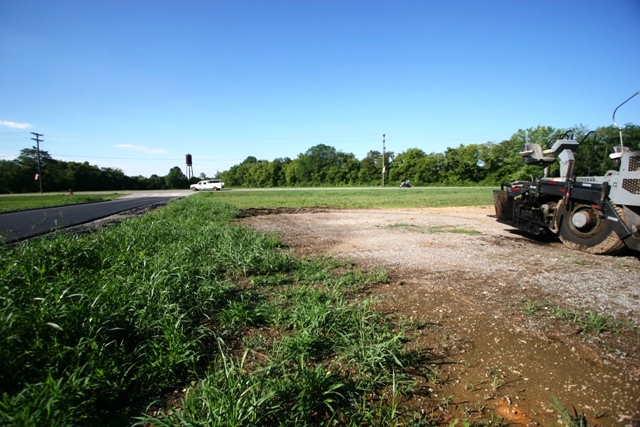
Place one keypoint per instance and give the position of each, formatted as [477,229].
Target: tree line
[474,164]
[19,176]
[321,165]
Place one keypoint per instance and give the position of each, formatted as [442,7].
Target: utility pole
[384,169]
[38,172]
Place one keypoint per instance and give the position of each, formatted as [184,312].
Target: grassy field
[360,197]
[21,203]
[354,198]
[181,317]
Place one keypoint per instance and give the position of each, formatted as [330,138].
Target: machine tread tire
[606,242]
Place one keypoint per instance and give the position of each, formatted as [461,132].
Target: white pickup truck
[208,184]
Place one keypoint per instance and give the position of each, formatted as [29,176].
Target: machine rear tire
[597,237]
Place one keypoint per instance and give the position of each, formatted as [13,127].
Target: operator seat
[618,150]
[532,154]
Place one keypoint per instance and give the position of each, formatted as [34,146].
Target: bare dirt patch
[509,315]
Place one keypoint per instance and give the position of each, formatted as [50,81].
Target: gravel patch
[469,243]
[469,279]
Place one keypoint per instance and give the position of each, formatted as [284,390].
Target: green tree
[81,176]
[343,171]
[13,177]
[370,171]
[237,174]
[464,165]
[431,169]
[267,174]
[496,160]
[260,174]
[592,156]
[407,165]
[155,182]
[113,179]
[279,171]
[322,165]
[175,178]
[28,160]
[292,173]
[314,164]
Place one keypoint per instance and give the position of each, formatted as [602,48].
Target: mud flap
[503,205]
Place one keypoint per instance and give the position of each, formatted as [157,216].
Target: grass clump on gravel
[587,321]
[97,329]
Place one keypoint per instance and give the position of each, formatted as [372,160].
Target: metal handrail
[614,117]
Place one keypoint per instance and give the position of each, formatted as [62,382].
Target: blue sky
[136,85]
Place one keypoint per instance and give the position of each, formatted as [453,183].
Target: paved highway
[16,226]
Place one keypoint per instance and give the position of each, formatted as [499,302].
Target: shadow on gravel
[538,240]
[249,212]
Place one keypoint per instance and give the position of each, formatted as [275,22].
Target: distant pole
[39,171]
[384,169]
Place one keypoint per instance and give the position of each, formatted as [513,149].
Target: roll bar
[614,117]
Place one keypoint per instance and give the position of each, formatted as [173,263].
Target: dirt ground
[486,301]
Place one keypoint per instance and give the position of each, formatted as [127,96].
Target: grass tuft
[587,321]
[569,419]
[454,230]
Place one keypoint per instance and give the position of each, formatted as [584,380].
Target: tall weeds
[95,327]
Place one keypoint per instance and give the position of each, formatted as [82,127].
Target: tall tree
[407,165]
[464,165]
[28,160]
[370,172]
[13,177]
[237,174]
[176,178]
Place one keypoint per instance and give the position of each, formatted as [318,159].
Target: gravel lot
[489,296]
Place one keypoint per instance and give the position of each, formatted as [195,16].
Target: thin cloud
[141,148]
[14,125]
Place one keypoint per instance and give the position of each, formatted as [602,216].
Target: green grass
[353,198]
[357,198]
[586,320]
[568,419]
[454,230]
[96,329]
[436,229]
[402,225]
[20,203]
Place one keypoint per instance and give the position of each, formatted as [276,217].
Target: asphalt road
[16,226]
